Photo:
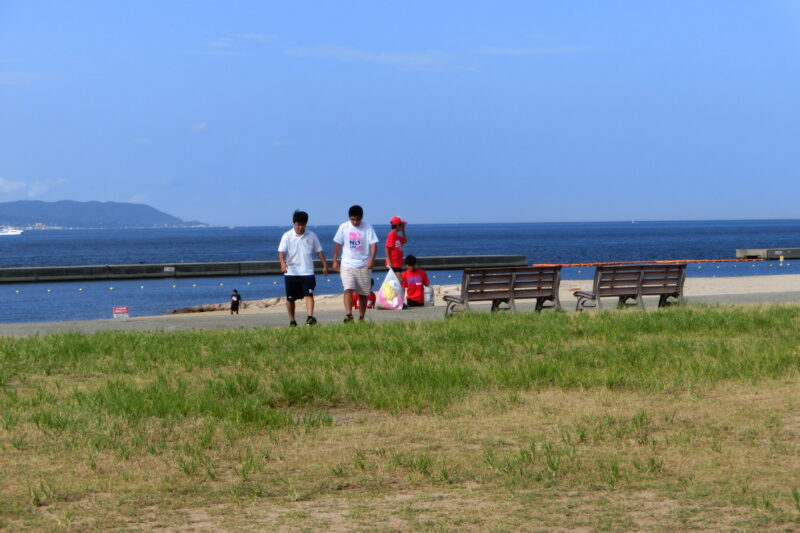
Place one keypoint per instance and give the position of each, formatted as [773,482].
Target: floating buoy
[111,288]
[80,289]
[141,286]
[221,284]
[248,283]
[173,286]
[17,291]
[194,284]
[49,290]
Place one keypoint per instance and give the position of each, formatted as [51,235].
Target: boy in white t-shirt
[358,244]
[296,253]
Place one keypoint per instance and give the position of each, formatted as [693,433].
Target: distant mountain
[71,214]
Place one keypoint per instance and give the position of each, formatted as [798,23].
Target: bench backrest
[617,280]
[484,284]
[663,279]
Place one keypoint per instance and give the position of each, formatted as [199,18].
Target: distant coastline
[68,214]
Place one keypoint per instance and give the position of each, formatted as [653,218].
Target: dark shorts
[414,303]
[298,287]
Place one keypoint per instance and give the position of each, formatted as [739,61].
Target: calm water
[540,242]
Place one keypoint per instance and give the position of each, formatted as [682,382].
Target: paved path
[205,321]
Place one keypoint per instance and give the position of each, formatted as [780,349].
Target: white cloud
[532,51]
[8,186]
[38,188]
[220,43]
[425,59]
[21,78]
[31,190]
[200,127]
[257,36]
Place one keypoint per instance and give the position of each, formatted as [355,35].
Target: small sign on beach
[120,311]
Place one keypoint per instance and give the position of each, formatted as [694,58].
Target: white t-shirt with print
[299,252]
[355,241]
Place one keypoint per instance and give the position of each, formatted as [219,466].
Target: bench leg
[496,304]
[454,308]
[582,301]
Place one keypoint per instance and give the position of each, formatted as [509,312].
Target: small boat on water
[10,231]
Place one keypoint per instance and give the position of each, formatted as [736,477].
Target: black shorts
[414,303]
[298,287]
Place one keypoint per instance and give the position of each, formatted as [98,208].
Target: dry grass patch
[551,460]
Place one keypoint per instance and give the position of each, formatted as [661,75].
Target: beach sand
[271,313]
[694,287]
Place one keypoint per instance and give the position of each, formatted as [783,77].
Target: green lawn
[680,418]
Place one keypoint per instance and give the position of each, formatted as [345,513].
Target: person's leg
[349,286]
[347,298]
[310,305]
[291,295]
[363,279]
[362,306]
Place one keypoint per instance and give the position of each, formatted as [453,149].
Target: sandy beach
[271,312]
[694,287]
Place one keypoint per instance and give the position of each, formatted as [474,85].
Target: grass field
[686,418]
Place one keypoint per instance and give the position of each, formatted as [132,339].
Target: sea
[557,242]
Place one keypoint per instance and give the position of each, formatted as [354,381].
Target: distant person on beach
[358,244]
[394,244]
[414,281]
[296,253]
[236,298]
[371,299]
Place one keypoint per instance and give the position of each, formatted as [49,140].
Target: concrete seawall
[244,268]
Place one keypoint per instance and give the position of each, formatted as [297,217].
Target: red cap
[397,220]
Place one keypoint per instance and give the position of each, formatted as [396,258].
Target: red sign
[121,311]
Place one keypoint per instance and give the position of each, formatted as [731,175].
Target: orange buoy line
[649,262]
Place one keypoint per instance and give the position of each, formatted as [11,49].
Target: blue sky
[236,113]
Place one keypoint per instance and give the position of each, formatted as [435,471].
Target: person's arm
[405,235]
[282,258]
[373,251]
[336,249]
[425,279]
[321,256]
[388,263]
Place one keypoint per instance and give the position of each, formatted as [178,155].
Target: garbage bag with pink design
[390,295]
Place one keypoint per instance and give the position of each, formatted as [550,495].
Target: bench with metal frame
[505,286]
[633,282]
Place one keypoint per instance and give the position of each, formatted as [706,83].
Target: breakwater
[223,269]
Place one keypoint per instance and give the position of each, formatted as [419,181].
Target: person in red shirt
[394,244]
[414,281]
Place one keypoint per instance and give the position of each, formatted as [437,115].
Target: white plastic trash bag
[390,295]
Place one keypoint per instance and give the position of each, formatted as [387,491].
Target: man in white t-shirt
[296,253]
[358,244]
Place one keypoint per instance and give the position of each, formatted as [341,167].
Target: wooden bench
[665,281]
[632,282]
[507,285]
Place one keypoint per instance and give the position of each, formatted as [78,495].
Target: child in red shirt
[414,281]
[394,244]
